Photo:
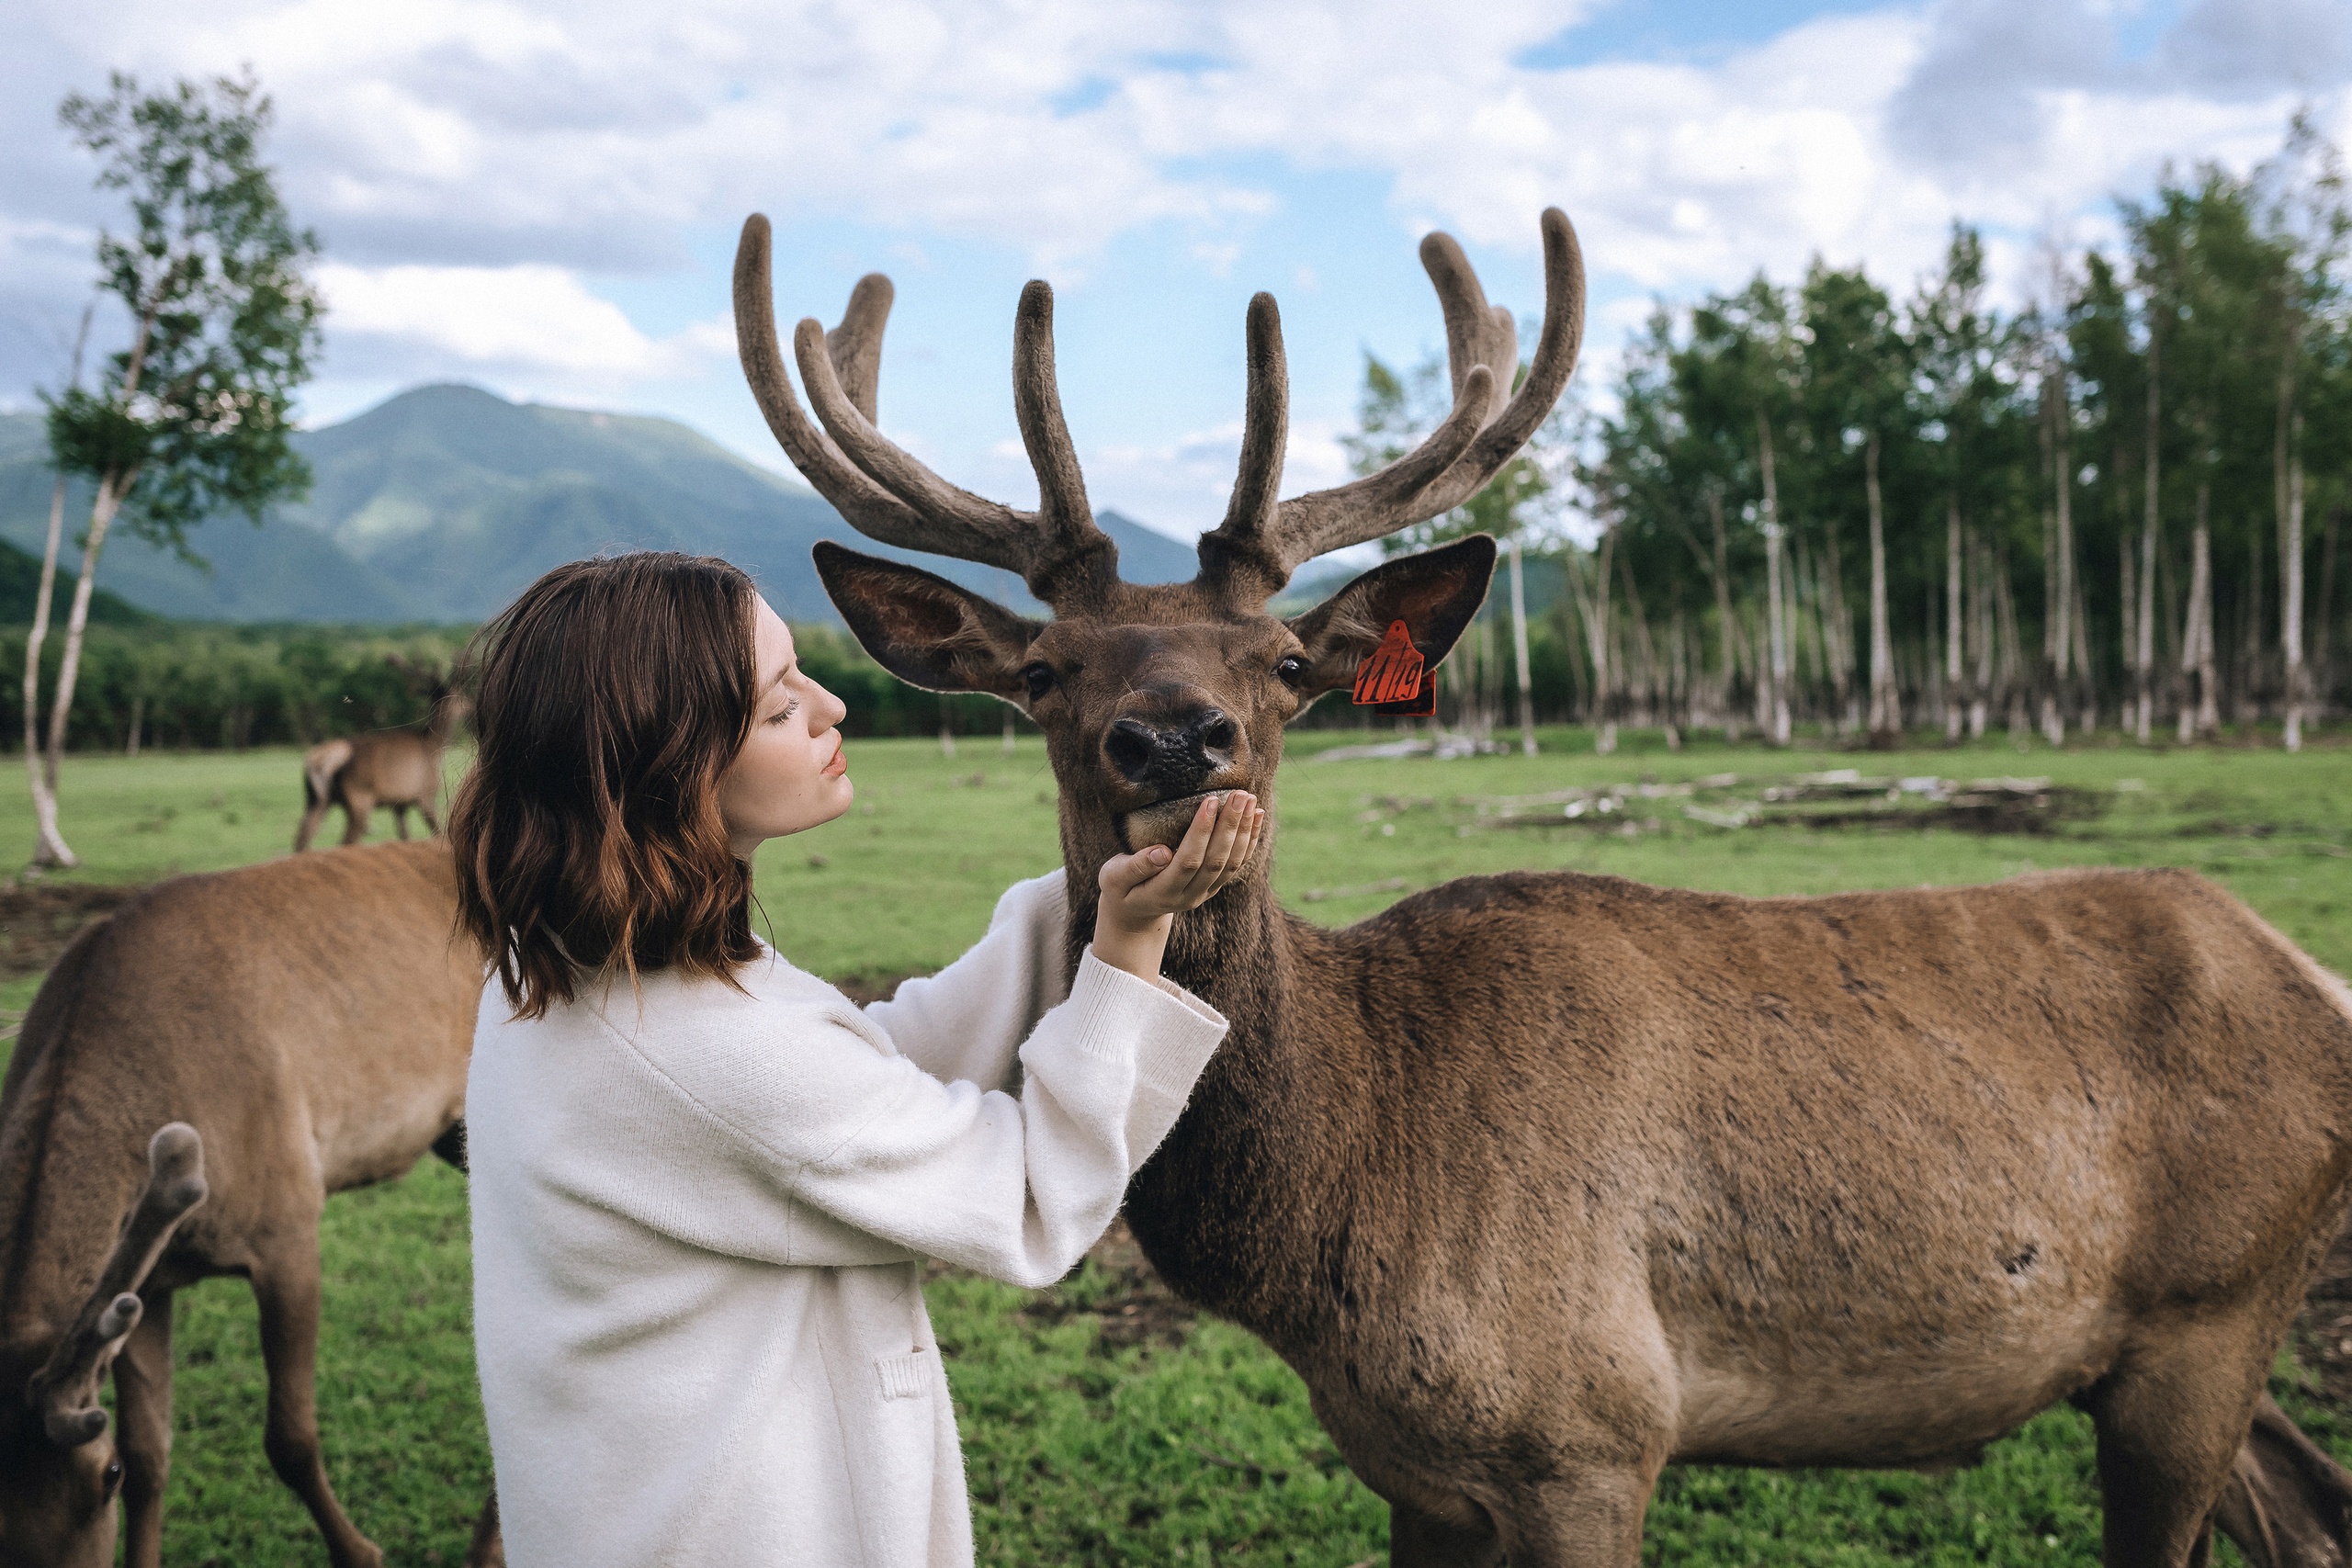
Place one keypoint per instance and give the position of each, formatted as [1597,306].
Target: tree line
[2121,504]
[150,684]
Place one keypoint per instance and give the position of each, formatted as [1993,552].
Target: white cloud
[532,318]
[481,168]
[590,133]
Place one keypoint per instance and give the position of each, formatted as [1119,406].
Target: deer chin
[1163,822]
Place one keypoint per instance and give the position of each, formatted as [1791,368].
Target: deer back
[310,1018]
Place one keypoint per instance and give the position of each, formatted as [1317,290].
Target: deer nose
[1174,759]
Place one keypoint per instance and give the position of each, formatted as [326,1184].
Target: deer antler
[881,489]
[66,1391]
[1252,553]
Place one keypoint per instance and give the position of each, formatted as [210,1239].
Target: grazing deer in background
[199,1071]
[399,767]
[1542,1183]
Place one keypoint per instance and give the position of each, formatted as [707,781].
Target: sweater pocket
[904,1377]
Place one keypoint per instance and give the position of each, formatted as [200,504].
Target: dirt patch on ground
[38,918]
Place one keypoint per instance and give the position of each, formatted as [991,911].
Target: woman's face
[792,773]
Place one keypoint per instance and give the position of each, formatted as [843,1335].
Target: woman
[703,1180]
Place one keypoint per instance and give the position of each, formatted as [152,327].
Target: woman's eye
[1292,670]
[1040,679]
[785,712]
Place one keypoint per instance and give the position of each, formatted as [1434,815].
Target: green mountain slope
[442,502]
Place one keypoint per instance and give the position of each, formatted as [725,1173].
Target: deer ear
[924,629]
[1435,593]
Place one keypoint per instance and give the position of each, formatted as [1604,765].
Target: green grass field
[1195,1446]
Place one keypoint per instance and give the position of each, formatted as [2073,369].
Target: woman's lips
[840,764]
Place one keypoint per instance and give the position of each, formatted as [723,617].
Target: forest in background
[2123,505]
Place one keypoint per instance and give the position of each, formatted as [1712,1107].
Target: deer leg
[1586,1519]
[356,809]
[310,817]
[1417,1540]
[2172,1421]
[285,1288]
[431,821]
[143,1401]
[2287,1504]
[400,819]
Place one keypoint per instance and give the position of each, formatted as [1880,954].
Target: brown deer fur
[310,1019]
[1543,1182]
[399,768]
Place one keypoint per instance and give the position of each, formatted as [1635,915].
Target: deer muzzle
[1166,768]
[1164,760]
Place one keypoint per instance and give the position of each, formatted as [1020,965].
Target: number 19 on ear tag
[1395,680]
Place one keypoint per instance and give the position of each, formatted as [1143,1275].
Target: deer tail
[320,765]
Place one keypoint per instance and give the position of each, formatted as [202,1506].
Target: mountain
[20,586]
[442,502]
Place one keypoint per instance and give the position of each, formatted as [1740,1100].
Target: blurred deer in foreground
[399,767]
[1543,1182]
[199,1071]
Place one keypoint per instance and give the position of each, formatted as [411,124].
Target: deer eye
[1040,678]
[1292,670]
[113,1478]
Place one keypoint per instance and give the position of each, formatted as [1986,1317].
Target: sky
[542,197]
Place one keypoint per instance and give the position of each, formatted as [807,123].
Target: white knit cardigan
[697,1217]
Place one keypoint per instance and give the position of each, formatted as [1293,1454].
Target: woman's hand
[1144,892]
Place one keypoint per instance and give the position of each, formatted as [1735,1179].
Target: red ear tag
[1395,680]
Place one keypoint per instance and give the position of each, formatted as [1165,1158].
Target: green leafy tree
[1856,372]
[193,415]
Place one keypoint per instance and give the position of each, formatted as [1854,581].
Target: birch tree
[193,415]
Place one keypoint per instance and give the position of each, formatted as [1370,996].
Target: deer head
[1151,695]
[59,1475]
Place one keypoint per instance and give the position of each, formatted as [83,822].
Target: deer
[1544,1181]
[399,768]
[198,1072]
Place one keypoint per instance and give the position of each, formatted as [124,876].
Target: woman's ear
[926,630]
[1435,593]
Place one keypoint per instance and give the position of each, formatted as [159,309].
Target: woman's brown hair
[613,695]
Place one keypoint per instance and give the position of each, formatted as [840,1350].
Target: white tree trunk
[2202,716]
[1776,608]
[111,489]
[2143,664]
[1597,640]
[1518,647]
[2063,481]
[49,848]
[2290,600]
[1955,654]
[2128,603]
[1887,713]
[1724,616]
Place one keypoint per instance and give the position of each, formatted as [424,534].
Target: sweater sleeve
[1018,1188]
[967,1022]
[808,1111]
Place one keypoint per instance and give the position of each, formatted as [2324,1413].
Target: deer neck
[60,1209]
[1229,1207]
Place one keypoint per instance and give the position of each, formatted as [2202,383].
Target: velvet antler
[884,491]
[66,1391]
[1252,554]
